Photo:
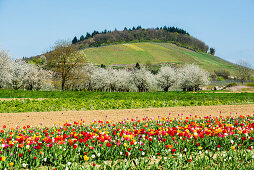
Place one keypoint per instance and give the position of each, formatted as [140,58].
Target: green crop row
[65,104]
[125,95]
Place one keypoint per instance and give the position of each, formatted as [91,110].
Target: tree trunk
[30,87]
[63,84]
[166,89]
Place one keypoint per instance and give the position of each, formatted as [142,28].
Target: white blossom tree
[99,79]
[190,77]
[143,80]
[36,77]
[5,67]
[243,71]
[120,80]
[166,77]
[19,70]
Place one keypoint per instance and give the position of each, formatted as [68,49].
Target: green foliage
[220,78]
[70,100]
[35,61]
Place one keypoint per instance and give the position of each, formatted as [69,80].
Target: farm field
[131,53]
[105,130]
[156,143]
[80,101]
[57,118]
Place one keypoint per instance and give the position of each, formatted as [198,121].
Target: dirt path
[49,118]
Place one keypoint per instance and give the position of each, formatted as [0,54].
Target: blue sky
[30,27]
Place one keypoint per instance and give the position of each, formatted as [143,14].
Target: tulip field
[142,143]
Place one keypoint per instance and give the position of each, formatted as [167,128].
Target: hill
[147,45]
[155,53]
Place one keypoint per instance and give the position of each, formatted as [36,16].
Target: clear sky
[30,27]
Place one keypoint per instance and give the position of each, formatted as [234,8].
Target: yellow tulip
[86,158]
[3,158]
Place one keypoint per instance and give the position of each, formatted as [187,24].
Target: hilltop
[163,34]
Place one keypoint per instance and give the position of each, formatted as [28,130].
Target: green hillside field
[154,53]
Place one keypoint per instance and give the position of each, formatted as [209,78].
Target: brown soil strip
[49,118]
[9,99]
[240,89]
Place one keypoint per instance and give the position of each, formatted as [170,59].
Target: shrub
[231,85]
[222,73]
[251,84]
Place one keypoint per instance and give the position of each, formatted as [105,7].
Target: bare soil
[11,120]
[241,89]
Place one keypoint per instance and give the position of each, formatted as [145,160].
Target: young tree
[166,77]
[82,38]
[190,77]
[137,66]
[75,40]
[149,65]
[243,71]
[212,51]
[88,35]
[5,67]
[64,60]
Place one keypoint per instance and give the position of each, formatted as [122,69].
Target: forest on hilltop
[163,34]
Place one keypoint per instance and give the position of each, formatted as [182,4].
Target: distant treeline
[163,34]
